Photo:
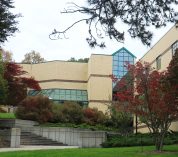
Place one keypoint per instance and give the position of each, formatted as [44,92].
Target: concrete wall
[70,136]
[15,137]
[12,136]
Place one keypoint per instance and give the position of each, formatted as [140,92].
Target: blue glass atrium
[120,58]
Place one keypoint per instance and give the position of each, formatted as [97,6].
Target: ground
[169,151]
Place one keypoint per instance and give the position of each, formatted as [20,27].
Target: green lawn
[169,151]
[7,116]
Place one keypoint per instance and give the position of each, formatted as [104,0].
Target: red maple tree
[151,97]
[18,83]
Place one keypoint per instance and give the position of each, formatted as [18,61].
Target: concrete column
[15,138]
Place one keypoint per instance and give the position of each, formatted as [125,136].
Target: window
[174,47]
[62,94]
[158,62]
[119,61]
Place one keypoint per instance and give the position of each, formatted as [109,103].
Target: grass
[148,151]
[7,116]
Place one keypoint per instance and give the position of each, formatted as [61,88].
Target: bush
[37,108]
[123,121]
[138,140]
[69,112]
[92,116]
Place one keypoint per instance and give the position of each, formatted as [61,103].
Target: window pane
[67,92]
[73,92]
[79,92]
[158,62]
[68,97]
[62,97]
[84,92]
[62,91]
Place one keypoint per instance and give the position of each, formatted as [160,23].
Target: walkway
[22,147]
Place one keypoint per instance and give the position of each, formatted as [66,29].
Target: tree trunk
[159,138]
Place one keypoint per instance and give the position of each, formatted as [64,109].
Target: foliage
[173,71]
[92,116]
[170,151]
[103,17]
[69,112]
[123,121]
[37,108]
[82,60]
[18,83]
[137,140]
[7,20]
[7,116]
[154,100]
[3,83]
[81,126]
[33,57]
[72,112]
[6,55]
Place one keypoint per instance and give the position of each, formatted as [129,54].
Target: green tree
[8,22]
[6,55]
[103,17]
[3,83]
[32,58]
[82,60]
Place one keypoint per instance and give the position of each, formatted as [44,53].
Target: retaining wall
[70,136]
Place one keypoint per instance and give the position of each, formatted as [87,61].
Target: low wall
[17,123]
[70,136]
[12,136]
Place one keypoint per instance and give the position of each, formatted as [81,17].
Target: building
[159,56]
[87,83]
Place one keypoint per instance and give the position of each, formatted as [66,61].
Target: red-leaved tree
[18,83]
[152,98]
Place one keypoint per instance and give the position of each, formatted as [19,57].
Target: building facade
[159,56]
[86,83]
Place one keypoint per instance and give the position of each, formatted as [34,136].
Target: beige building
[86,83]
[159,56]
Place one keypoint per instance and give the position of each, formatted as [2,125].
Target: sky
[40,17]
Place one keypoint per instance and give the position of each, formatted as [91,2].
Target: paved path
[35,148]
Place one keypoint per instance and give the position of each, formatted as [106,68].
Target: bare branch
[104,15]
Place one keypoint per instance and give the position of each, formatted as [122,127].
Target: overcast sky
[40,17]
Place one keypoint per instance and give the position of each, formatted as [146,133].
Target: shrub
[123,121]
[37,108]
[92,116]
[69,112]
[138,140]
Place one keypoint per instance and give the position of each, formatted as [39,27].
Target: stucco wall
[162,46]
[99,83]
[58,69]
[59,74]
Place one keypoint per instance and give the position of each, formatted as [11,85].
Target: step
[28,138]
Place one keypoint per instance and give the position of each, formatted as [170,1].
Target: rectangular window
[158,62]
[174,47]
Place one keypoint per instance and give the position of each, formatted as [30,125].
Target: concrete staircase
[28,138]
